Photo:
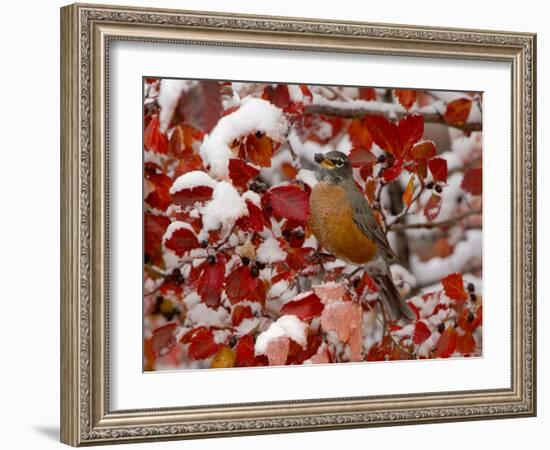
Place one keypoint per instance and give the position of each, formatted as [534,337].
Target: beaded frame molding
[86,32]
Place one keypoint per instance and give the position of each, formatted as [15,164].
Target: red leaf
[241,285]
[182,241]
[438,168]
[244,352]
[392,173]
[241,172]
[280,96]
[453,285]
[160,197]
[277,350]
[466,344]
[240,313]
[473,181]
[210,282]
[259,150]
[289,171]
[201,106]
[411,129]
[188,197]
[367,94]
[305,308]
[163,339]
[290,202]
[423,150]
[346,319]
[409,191]
[299,257]
[457,111]
[202,344]
[298,355]
[254,220]
[384,133]
[432,208]
[359,134]
[446,344]
[359,156]
[421,333]
[181,141]
[406,97]
[153,139]
[154,229]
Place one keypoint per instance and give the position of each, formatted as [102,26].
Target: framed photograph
[280,225]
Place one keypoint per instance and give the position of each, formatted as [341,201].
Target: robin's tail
[392,302]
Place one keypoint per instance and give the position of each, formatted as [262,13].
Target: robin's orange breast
[332,223]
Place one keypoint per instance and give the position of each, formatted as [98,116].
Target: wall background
[29,224]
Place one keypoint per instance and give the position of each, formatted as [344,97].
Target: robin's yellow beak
[324,161]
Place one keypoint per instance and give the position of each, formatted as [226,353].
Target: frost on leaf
[345,318]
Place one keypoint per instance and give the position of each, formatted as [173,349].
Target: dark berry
[356,282]
[232,341]
[286,234]
[438,189]
[429,185]
[204,243]
[254,271]
[471,317]
[245,260]
[471,287]
[441,328]
[146,258]
[260,266]
[259,134]
[473,297]
[180,279]
[459,199]
[211,259]
[176,273]
[382,159]
[257,186]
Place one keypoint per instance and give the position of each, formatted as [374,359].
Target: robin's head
[334,167]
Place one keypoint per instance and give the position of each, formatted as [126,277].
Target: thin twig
[405,210]
[430,225]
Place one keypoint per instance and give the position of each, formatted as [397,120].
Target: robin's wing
[367,223]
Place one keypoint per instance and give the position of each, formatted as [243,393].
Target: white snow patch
[174,226]
[466,253]
[169,95]
[253,115]
[307,177]
[289,326]
[224,209]
[270,251]
[202,315]
[253,197]
[191,180]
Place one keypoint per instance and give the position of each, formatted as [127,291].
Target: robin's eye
[339,163]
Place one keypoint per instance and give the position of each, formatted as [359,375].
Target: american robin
[344,224]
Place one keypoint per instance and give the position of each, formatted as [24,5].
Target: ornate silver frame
[86,31]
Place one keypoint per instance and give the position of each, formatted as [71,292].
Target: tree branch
[430,225]
[358,112]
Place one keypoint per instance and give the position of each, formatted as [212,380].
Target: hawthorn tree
[234,276]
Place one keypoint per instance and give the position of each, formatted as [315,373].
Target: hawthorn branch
[430,225]
[355,112]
